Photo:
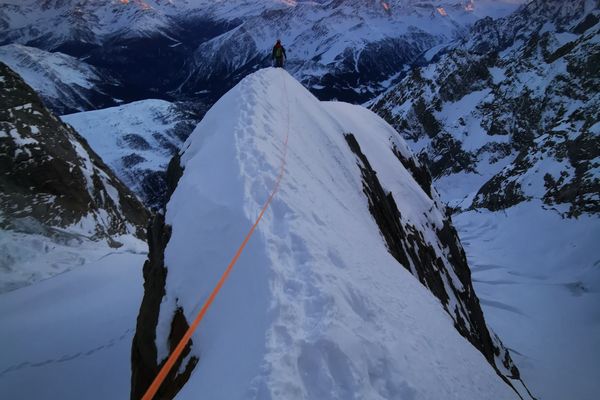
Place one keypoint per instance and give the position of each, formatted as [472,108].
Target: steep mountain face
[198,48]
[137,141]
[353,270]
[512,111]
[55,192]
[64,83]
[507,121]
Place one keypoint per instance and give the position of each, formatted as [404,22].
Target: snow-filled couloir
[354,285]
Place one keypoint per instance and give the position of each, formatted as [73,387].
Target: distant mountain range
[137,141]
[197,49]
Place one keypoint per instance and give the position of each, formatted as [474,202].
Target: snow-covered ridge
[317,306]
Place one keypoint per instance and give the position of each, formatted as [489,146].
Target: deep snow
[316,306]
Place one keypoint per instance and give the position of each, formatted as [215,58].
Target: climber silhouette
[278,54]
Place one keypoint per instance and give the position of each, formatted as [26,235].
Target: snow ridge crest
[317,306]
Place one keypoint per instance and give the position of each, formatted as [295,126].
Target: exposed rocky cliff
[449,277]
[52,183]
[514,106]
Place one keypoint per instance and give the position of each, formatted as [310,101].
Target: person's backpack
[278,52]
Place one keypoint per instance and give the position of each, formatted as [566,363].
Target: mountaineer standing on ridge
[278,54]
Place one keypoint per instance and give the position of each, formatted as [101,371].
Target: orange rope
[164,371]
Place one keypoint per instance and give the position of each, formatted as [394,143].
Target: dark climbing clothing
[278,55]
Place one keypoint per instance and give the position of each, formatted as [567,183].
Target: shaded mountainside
[512,110]
[65,84]
[378,199]
[53,184]
[137,141]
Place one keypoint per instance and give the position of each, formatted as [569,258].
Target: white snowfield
[538,279]
[316,307]
[69,337]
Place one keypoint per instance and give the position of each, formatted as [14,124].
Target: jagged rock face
[50,174]
[517,103]
[144,355]
[144,359]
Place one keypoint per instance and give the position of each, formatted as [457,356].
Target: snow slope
[68,337]
[71,232]
[30,253]
[316,306]
[137,141]
[538,278]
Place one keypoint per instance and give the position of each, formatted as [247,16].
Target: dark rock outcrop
[408,246]
[144,358]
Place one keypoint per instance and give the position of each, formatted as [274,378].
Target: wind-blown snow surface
[68,337]
[316,307]
[33,254]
